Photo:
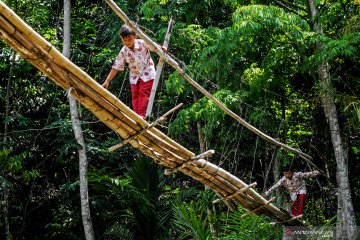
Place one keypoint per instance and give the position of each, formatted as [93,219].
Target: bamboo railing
[169,60]
[117,116]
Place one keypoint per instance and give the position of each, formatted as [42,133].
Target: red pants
[298,205]
[140,93]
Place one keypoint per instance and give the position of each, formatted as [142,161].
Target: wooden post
[169,60]
[118,116]
[187,162]
[158,71]
[258,208]
[228,203]
[235,193]
[155,123]
[288,220]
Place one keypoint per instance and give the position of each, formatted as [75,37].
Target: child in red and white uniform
[142,70]
[295,184]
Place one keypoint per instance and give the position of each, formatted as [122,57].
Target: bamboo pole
[113,123]
[116,115]
[156,48]
[206,178]
[236,193]
[243,199]
[23,27]
[57,57]
[145,134]
[228,203]
[99,112]
[288,220]
[11,30]
[258,208]
[45,69]
[240,184]
[155,123]
[65,63]
[158,71]
[189,161]
[225,183]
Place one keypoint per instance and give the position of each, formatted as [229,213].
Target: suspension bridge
[131,127]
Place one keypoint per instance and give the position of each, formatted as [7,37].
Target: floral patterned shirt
[140,63]
[296,185]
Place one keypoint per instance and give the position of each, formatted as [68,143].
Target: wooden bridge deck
[120,118]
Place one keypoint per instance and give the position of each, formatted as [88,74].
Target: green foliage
[192,217]
[154,7]
[64,223]
[190,223]
[205,110]
[190,11]
[252,227]
[194,220]
[257,57]
[333,49]
[149,211]
[141,200]
[15,164]
[118,231]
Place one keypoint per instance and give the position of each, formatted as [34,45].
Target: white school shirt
[296,185]
[140,63]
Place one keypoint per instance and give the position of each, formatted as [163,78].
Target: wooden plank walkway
[120,118]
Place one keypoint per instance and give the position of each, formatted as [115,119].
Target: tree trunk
[202,147]
[7,111]
[83,166]
[7,98]
[169,60]
[346,224]
[83,163]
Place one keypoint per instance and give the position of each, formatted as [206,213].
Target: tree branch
[292,5]
[280,4]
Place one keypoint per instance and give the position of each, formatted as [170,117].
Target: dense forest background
[259,58]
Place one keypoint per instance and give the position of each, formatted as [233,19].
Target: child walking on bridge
[295,184]
[142,69]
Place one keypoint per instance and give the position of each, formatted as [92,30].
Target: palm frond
[252,227]
[190,223]
[118,231]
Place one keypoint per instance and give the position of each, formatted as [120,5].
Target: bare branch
[293,5]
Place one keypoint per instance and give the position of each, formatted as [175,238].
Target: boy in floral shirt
[142,70]
[294,182]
